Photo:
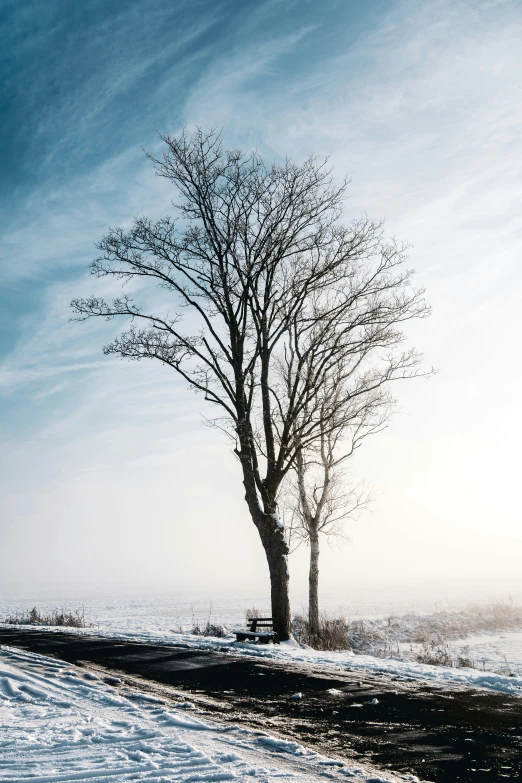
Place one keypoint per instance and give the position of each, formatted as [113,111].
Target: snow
[493,651]
[61,725]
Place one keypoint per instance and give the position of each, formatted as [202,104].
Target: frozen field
[165,612]
[62,724]
[494,652]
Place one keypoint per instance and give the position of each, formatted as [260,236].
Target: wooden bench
[264,636]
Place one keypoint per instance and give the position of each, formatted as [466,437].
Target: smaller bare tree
[358,360]
[319,499]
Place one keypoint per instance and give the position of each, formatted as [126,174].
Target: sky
[109,478]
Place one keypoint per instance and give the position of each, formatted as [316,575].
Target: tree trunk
[276,550]
[313,586]
[279,580]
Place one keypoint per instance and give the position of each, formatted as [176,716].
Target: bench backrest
[260,623]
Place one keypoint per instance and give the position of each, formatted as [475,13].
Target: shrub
[463,660]
[62,618]
[435,653]
[337,633]
[333,633]
[209,629]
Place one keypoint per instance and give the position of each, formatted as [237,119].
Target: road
[440,734]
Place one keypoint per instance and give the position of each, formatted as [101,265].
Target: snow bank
[59,725]
[396,667]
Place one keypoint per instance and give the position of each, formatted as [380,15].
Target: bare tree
[318,496]
[259,253]
[352,403]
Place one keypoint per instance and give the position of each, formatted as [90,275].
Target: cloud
[13,378]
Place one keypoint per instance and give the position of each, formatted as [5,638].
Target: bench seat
[263,636]
[253,634]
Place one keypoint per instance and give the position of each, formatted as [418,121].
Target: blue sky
[419,102]
[86,84]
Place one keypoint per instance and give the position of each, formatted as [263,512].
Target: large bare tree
[258,252]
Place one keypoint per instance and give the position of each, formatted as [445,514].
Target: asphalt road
[441,735]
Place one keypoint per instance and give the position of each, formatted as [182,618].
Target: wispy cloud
[20,377]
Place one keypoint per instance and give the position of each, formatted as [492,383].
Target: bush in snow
[333,633]
[463,660]
[209,629]
[56,618]
[338,633]
[435,653]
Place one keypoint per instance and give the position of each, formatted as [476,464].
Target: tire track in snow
[60,727]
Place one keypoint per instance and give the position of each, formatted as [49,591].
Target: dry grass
[489,618]
[60,618]
[333,633]
[209,629]
[337,633]
[429,636]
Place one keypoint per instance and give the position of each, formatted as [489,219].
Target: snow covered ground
[498,652]
[62,723]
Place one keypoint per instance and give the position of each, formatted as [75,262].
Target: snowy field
[62,723]
[494,652]
[160,614]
